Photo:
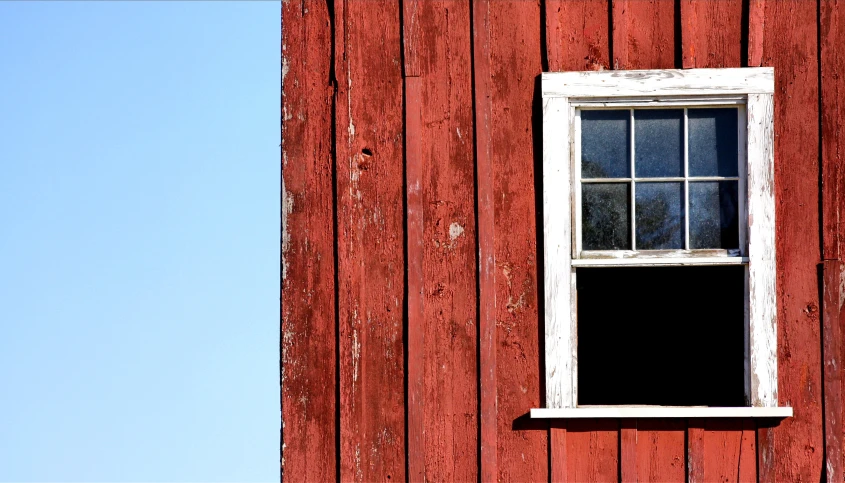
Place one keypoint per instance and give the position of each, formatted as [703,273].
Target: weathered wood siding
[412,297]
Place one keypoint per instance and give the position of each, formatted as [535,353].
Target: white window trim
[562,92]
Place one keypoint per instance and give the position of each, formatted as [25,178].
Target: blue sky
[139,241]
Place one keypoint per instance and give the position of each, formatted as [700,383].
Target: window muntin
[658,179]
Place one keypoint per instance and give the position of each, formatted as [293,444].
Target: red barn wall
[411,332]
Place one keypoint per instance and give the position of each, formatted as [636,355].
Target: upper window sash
[686,255]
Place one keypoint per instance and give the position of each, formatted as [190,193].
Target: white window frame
[752,91]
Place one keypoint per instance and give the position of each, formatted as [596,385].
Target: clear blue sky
[139,241]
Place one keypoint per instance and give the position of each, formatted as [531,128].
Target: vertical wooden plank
[765,436]
[790,46]
[628,451]
[660,450]
[308,330]
[593,446]
[721,450]
[695,451]
[711,36]
[416,280]
[711,33]
[644,34]
[411,37]
[832,372]
[577,36]
[833,90]
[644,37]
[557,452]
[415,348]
[482,87]
[515,61]
[765,454]
[371,265]
[442,54]
[832,36]
[756,24]
[748,453]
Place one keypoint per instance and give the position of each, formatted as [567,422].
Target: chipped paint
[455,230]
[351,127]
[356,355]
[287,208]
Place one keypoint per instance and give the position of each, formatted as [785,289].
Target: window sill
[659,412]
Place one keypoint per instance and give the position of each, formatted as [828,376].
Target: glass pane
[713,149]
[713,218]
[660,216]
[605,144]
[658,142]
[605,216]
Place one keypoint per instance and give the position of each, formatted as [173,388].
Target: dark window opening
[670,336]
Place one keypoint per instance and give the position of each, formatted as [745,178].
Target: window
[659,243]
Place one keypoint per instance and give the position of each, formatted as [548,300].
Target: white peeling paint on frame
[560,92]
[560,336]
[665,82]
[762,306]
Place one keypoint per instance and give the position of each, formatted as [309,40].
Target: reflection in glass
[658,142]
[605,144]
[660,216]
[713,208]
[606,216]
[713,138]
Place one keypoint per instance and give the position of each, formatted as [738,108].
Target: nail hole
[367,152]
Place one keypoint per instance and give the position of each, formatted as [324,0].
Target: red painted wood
[593,446]
[644,34]
[756,24]
[695,451]
[369,136]
[660,450]
[765,454]
[416,279]
[790,47]
[711,33]
[411,37]
[371,267]
[482,86]
[308,330]
[628,450]
[515,62]
[557,452]
[832,358]
[577,36]
[722,450]
[748,452]
[832,25]
[448,240]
